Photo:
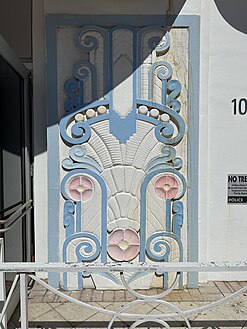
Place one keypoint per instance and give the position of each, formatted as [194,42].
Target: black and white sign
[237,189]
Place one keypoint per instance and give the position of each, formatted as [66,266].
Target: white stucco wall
[222,136]
[227,135]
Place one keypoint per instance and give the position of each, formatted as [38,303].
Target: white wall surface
[39,134]
[223,76]
[227,136]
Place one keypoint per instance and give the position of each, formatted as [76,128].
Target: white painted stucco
[223,76]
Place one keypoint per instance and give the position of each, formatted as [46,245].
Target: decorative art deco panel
[123,148]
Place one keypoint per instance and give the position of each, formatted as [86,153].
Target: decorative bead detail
[101,109]
[165,117]
[154,113]
[143,109]
[79,117]
[90,113]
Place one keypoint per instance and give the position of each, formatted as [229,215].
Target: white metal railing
[8,222]
[2,283]
[25,270]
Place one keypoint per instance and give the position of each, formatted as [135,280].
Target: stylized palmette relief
[123,125]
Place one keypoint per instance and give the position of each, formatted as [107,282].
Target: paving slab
[37,309]
[72,312]
[50,311]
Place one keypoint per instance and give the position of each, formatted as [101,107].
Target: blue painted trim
[193,147]
[106,20]
[143,117]
[78,216]
[52,150]
[193,24]
[168,215]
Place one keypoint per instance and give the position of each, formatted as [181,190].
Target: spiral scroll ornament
[88,249]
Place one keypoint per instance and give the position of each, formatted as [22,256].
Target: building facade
[139,113]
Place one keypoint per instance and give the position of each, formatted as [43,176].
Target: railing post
[2,285]
[23,300]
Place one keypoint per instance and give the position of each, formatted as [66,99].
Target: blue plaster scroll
[90,43]
[71,86]
[80,130]
[178,217]
[81,72]
[168,153]
[164,72]
[174,86]
[157,249]
[68,217]
[78,160]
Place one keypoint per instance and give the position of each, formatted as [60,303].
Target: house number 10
[239,106]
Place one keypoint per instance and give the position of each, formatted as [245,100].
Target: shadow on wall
[170,8]
[234,13]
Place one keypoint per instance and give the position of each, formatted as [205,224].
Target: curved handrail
[16,216]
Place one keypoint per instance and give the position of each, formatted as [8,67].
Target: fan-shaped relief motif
[123,191]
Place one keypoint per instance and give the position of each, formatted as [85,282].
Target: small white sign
[237,189]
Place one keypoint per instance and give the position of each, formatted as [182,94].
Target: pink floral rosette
[123,244]
[80,188]
[166,187]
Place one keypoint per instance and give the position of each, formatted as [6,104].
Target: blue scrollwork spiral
[84,41]
[89,249]
[80,131]
[157,248]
